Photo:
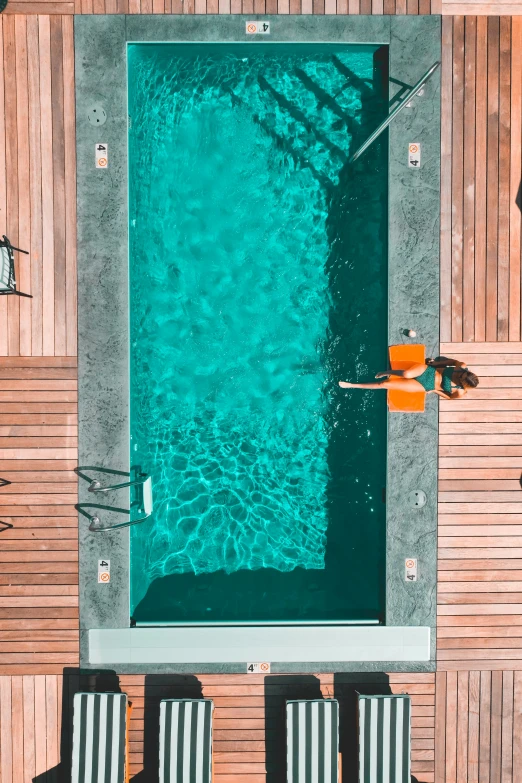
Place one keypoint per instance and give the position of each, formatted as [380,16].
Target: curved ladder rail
[382,127]
[97,526]
[143,482]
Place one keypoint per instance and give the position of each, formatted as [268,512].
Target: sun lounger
[384,739]
[312,741]
[99,738]
[185,744]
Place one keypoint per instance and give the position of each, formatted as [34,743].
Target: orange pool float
[402,357]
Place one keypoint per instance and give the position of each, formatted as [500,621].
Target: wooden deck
[39,549]
[446,7]
[468,726]
[480,514]
[249,731]
[481,179]
[37,183]
[478,733]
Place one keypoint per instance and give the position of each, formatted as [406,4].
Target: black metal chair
[7,268]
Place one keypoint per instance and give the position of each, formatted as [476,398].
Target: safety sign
[410,574]
[104,571]
[101,155]
[414,155]
[257,28]
[258,668]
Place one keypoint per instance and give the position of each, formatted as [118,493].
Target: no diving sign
[101,155]
[258,668]
[410,569]
[257,28]
[414,155]
[104,571]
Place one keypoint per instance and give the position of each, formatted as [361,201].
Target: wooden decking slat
[57,93]
[24,207]
[468,238]
[515,168]
[485,726]
[10,108]
[504,178]
[457,176]
[35,175]
[492,180]
[40,734]
[3,189]
[46,135]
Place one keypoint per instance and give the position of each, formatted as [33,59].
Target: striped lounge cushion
[99,727]
[312,741]
[185,746]
[384,739]
[5,269]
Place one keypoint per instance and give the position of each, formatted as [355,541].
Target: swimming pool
[257,280]
[106,364]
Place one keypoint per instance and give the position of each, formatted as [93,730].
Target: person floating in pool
[448,378]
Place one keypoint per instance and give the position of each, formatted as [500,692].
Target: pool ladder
[142,483]
[415,90]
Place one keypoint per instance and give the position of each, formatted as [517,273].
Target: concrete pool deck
[100,51]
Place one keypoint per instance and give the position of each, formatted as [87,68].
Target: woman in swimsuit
[448,378]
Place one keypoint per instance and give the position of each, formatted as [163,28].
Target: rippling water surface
[257,274]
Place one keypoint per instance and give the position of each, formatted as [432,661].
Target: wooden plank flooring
[66,7]
[481,179]
[480,514]
[505,8]
[478,729]
[249,727]
[37,176]
[38,521]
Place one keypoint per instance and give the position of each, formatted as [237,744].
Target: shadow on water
[255,595]
[356,343]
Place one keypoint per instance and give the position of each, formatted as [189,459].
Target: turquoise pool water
[257,280]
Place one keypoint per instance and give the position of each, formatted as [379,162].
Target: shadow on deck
[277,689]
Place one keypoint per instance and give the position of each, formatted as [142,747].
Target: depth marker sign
[258,668]
[414,155]
[104,571]
[101,155]
[257,28]
[410,570]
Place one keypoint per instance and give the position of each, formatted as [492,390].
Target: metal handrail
[382,127]
[96,525]
[95,486]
